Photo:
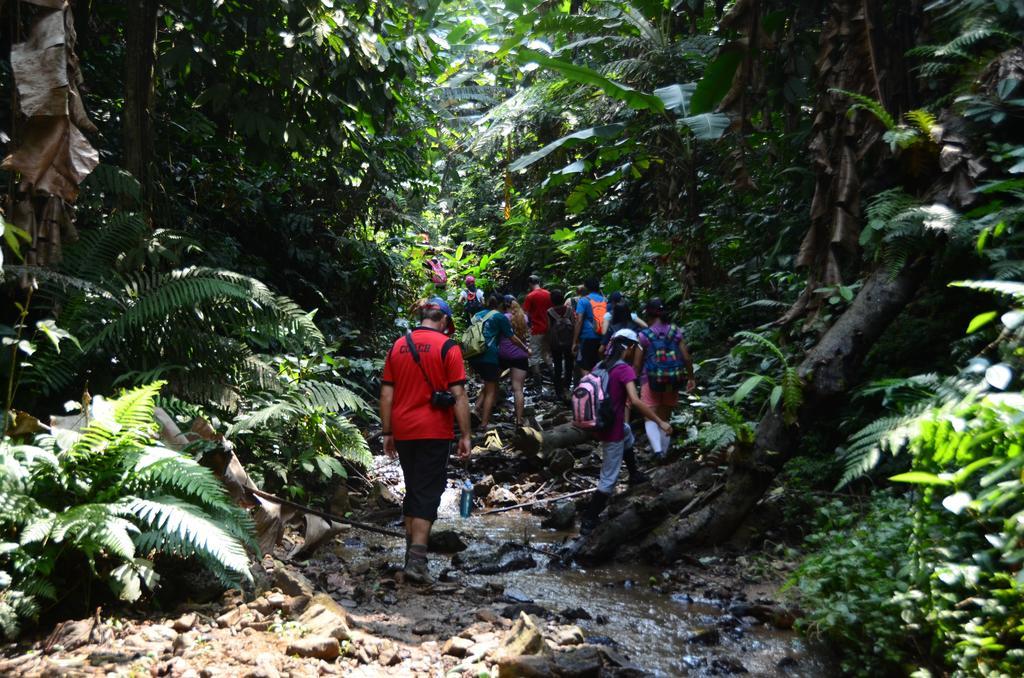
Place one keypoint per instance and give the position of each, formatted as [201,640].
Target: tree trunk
[139,95]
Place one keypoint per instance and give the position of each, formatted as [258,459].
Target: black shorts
[425,469]
[487,371]
[514,363]
[589,353]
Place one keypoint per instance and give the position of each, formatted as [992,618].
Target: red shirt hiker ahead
[412,416]
[536,306]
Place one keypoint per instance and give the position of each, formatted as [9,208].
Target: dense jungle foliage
[829,194]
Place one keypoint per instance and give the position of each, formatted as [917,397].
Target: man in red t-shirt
[536,305]
[423,391]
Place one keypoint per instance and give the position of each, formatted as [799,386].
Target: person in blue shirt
[496,327]
[591,321]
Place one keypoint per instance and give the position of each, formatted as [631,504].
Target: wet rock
[524,638]
[457,646]
[485,614]
[446,541]
[729,665]
[500,497]
[291,582]
[581,662]
[574,613]
[560,461]
[483,487]
[526,666]
[509,557]
[514,595]
[563,516]
[317,647]
[423,627]
[513,611]
[786,664]
[185,622]
[710,636]
[568,635]
[776,615]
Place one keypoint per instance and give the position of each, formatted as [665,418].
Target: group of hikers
[605,361]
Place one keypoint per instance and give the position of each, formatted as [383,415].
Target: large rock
[524,638]
[526,666]
[508,557]
[446,541]
[318,647]
[580,662]
[560,461]
[292,582]
[325,617]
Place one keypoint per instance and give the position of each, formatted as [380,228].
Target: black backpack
[561,328]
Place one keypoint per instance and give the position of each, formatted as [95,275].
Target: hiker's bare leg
[419,529]
[487,397]
[518,380]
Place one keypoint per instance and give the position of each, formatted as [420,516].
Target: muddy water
[651,628]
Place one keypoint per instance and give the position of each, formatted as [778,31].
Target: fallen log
[541,444]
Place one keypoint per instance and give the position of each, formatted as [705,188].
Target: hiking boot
[417,572]
[593,511]
[638,478]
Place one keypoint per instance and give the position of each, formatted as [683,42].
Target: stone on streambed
[446,541]
[484,559]
[500,497]
[318,647]
[563,516]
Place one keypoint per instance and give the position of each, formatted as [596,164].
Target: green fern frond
[868,104]
[1014,290]
[923,121]
[182,528]
[754,338]
[792,394]
[111,180]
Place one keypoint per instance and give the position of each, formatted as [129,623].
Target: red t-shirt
[536,306]
[412,415]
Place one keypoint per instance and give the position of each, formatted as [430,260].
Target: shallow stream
[654,629]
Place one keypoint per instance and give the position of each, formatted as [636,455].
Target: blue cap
[440,304]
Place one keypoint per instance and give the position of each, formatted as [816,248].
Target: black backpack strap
[416,358]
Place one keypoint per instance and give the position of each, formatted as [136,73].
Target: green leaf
[920,478]
[716,82]
[676,97]
[707,126]
[980,321]
[583,75]
[599,132]
[563,235]
[746,387]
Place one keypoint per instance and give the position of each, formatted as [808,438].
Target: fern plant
[301,423]
[109,496]
[785,387]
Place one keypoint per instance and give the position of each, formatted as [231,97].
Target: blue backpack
[664,364]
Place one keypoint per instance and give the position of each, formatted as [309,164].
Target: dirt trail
[500,606]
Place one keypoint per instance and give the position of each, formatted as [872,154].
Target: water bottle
[466,498]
